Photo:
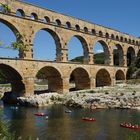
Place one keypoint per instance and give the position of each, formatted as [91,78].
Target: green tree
[19,44]
[5,8]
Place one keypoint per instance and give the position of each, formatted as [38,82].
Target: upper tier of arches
[50,17]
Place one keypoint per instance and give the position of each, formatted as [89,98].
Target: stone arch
[85,29]
[93,31]
[100,33]
[77,27]
[106,52]
[47,19]
[58,22]
[81,79]
[118,55]
[107,35]
[15,31]
[68,24]
[121,39]
[130,56]
[130,41]
[57,41]
[117,37]
[133,42]
[54,78]
[112,36]
[120,76]
[34,16]
[12,76]
[103,78]
[137,43]
[84,47]
[10,25]
[125,39]
[20,13]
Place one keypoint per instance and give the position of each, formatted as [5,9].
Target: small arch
[68,24]
[130,56]
[53,79]
[130,41]
[125,40]
[20,13]
[117,38]
[78,82]
[107,35]
[34,16]
[58,22]
[93,31]
[85,29]
[47,19]
[120,77]
[100,33]
[112,36]
[77,27]
[121,39]
[103,78]
[133,42]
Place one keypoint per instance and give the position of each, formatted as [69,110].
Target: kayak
[88,119]
[39,114]
[67,111]
[130,127]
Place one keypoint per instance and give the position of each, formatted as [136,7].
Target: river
[69,126]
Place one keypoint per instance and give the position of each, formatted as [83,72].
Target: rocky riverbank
[120,96]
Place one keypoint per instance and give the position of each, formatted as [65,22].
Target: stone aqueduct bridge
[21,72]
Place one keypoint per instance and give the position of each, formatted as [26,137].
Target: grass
[133,136]
[133,81]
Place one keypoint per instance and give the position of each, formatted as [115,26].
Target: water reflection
[70,126]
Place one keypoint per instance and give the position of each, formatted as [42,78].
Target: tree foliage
[19,44]
[5,8]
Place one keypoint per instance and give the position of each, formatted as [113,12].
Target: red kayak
[130,127]
[88,119]
[39,114]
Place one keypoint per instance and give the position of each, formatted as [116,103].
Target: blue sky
[122,15]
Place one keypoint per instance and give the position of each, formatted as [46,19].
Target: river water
[69,126]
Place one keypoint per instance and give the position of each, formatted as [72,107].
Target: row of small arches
[68,25]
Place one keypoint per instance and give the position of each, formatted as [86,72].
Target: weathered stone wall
[63,28]
[85,74]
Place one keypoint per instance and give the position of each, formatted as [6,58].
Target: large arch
[53,76]
[80,77]
[10,25]
[51,52]
[103,78]
[120,76]
[130,56]
[118,55]
[83,50]
[101,52]
[12,76]
[8,29]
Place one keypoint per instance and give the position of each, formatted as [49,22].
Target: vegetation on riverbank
[4,133]
[133,136]
[134,70]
